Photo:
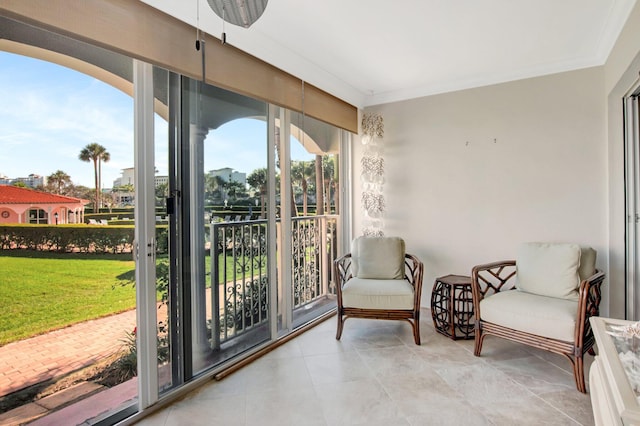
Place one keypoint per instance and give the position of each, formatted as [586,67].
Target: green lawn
[40,292]
[43,291]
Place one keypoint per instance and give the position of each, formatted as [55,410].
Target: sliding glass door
[254,207]
[245,209]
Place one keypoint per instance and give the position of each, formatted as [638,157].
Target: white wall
[471,174]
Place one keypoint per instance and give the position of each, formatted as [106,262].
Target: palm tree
[58,180]
[104,158]
[235,190]
[258,181]
[319,186]
[301,171]
[214,185]
[330,175]
[96,153]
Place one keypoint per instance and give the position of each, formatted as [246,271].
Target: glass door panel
[224,179]
[165,230]
[314,179]
[90,287]
[632,192]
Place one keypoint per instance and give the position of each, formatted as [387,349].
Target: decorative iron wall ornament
[372,162]
[373,125]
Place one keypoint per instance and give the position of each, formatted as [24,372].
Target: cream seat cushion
[366,293]
[540,315]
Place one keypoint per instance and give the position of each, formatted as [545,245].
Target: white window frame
[145,241]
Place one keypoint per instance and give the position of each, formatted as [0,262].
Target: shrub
[67,238]
[77,237]
[127,363]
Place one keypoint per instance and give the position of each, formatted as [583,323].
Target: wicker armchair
[379,296]
[554,322]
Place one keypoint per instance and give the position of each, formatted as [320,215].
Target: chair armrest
[342,271]
[589,296]
[491,278]
[414,270]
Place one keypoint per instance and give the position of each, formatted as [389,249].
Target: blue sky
[48,113]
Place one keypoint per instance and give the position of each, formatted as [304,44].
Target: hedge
[75,238]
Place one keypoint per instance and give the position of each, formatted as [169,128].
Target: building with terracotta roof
[23,205]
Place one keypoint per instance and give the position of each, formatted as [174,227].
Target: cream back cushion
[549,269]
[378,258]
[587,262]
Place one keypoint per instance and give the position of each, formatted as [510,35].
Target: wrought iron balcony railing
[239,272]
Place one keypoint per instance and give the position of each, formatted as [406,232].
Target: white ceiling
[369,52]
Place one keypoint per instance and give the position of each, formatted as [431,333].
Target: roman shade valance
[140,31]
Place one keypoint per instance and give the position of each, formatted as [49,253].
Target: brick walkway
[60,352]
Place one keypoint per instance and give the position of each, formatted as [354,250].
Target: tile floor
[376,375]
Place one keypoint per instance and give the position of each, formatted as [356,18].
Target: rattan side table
[452,307]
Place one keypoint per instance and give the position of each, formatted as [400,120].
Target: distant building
[127,198]
[162,180]
[22,205]
[127,178]
[122,198]
[32,181]
[229,175]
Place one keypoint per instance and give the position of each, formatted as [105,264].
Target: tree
[57,181]
[319,186]
[235,189]
[96,153]
[301,171]
[79,191]
[161,192]
[127,187]
[330,176]
[214,185]
[258,181]
[104,158]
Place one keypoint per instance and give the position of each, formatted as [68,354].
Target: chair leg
[479,339]
[416,330]
[340,325]
[578,373]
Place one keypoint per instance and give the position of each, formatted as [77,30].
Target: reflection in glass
[227,208]
[166,329]
[314,181]
[253,227]
[626,340]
